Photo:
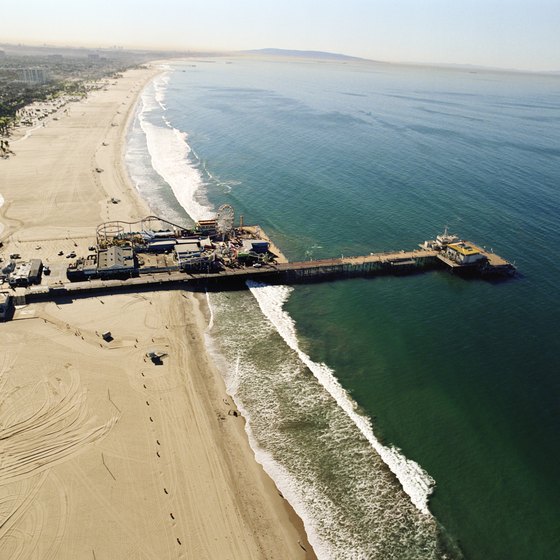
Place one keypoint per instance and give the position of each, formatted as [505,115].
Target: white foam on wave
[170,158]
[160,86]
[292,490]
[415,481]
[211,310]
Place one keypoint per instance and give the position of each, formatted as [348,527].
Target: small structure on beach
[26,273]
[156,357]
[6,306]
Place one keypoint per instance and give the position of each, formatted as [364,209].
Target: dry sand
[103,454]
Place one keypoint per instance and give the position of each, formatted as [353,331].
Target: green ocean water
[460,375]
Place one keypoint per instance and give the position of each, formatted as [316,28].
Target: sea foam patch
[160,86]
[171,159]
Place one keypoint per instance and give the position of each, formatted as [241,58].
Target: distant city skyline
[516,34]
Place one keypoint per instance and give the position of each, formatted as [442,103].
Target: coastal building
[252,248]
[33,75]
[465,256]
[259,245]
[440,242]
[207,227]
[116,260]
[193,254]
[161,241]
[82,269]
[6,305]
[464,253]
[7,269]
[161,245]
[26,273]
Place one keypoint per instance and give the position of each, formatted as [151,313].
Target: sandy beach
[104,454]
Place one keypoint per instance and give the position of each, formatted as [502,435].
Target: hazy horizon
[508,34]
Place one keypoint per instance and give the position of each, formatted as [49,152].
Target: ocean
[402,417]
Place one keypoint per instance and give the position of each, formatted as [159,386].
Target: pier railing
[401,262]
[281,273]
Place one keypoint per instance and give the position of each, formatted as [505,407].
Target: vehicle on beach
[156,357]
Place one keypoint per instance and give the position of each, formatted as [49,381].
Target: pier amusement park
[214,254]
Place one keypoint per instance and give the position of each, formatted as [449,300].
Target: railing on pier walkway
[294,272]
[342,267]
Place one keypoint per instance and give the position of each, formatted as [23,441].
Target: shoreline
[202,493]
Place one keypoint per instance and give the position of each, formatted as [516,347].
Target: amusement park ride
[155,244]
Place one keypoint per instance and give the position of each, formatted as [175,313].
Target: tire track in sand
[56,429]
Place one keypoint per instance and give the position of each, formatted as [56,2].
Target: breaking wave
[171,156]
[160,86]
[416,482]
[351,504]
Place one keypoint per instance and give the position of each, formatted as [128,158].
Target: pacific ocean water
[402,417]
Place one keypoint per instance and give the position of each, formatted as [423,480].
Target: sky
[518,34]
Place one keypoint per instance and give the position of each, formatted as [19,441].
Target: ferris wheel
[225,220]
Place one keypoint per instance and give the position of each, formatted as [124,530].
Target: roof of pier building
[464,248]
[115,257]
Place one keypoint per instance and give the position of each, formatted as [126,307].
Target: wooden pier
[282,273]
[162,275]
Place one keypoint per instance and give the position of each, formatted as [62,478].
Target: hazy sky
[522,34]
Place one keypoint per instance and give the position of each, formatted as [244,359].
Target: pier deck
[284,272]
[494,262]
[160,271]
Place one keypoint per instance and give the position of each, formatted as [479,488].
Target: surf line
[415,481]
[170,154]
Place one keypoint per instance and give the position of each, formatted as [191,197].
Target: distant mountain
[303,54]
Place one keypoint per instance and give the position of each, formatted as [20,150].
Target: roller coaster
[139,232]
[119,231]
